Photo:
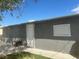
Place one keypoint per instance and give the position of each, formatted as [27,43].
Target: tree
[9,6]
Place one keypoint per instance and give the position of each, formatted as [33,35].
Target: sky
[41,10]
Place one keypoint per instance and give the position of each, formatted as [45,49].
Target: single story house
[59,34]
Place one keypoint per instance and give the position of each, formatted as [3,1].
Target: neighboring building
[1,31]
[58,34]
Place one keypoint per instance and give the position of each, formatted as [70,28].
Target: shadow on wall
[75,49]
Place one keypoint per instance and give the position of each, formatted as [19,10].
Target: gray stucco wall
[54,45]
[9,37]
[46,40]
[14,32]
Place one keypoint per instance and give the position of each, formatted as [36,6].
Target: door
[30,35]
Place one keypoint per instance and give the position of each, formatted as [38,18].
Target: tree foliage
[9,5]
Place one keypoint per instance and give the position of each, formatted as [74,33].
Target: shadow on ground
[75,50]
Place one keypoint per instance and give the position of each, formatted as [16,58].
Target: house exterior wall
[45,38]
[15,32]
[54,45]
[13,36]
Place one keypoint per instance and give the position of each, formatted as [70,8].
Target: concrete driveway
[50,54]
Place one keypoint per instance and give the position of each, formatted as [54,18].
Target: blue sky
[43,9]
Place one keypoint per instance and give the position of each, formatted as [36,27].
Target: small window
[61,30]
